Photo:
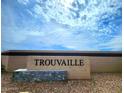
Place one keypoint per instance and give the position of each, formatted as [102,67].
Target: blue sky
[87,25]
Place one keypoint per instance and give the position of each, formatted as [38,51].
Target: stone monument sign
[77,67]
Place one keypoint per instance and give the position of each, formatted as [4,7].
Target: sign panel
[78,67]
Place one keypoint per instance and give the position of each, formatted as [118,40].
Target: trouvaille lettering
[59,62]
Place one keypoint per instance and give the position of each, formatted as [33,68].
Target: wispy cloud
[76,13]
[25,2]
[114,44]
[63,24]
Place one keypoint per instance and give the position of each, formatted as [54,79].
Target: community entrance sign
[77,67]
[31,65]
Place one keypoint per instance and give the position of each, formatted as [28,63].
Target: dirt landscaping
[99,83]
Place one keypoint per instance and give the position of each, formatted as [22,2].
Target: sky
[85,25]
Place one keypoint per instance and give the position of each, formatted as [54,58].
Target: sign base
[24,75]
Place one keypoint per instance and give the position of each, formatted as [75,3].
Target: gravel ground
[99,83]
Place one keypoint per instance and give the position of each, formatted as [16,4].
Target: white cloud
[114,44]
[25,2]
[76,13]
[81,18]
[50,35]
[54,35]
